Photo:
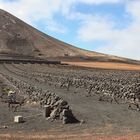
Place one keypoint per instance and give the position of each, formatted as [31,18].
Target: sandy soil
[60,136]
[106,65]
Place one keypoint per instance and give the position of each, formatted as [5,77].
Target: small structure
[18,119]
[47,111]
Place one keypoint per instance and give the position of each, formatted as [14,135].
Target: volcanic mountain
[20,39]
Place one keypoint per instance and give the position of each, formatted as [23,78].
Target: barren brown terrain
[19,38]
[106,65]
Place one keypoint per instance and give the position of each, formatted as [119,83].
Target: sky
[106,26]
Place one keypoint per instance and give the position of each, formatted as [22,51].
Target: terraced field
[90,93]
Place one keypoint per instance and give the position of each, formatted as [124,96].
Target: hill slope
[19,38]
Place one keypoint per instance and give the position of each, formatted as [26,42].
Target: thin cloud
[35,11]
[122,42]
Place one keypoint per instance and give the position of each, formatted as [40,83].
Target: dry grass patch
[106,65]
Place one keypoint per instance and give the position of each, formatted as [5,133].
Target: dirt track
[54,135]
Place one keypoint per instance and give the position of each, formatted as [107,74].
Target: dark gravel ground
[99,117]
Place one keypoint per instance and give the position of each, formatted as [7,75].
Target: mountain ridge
[18,37]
